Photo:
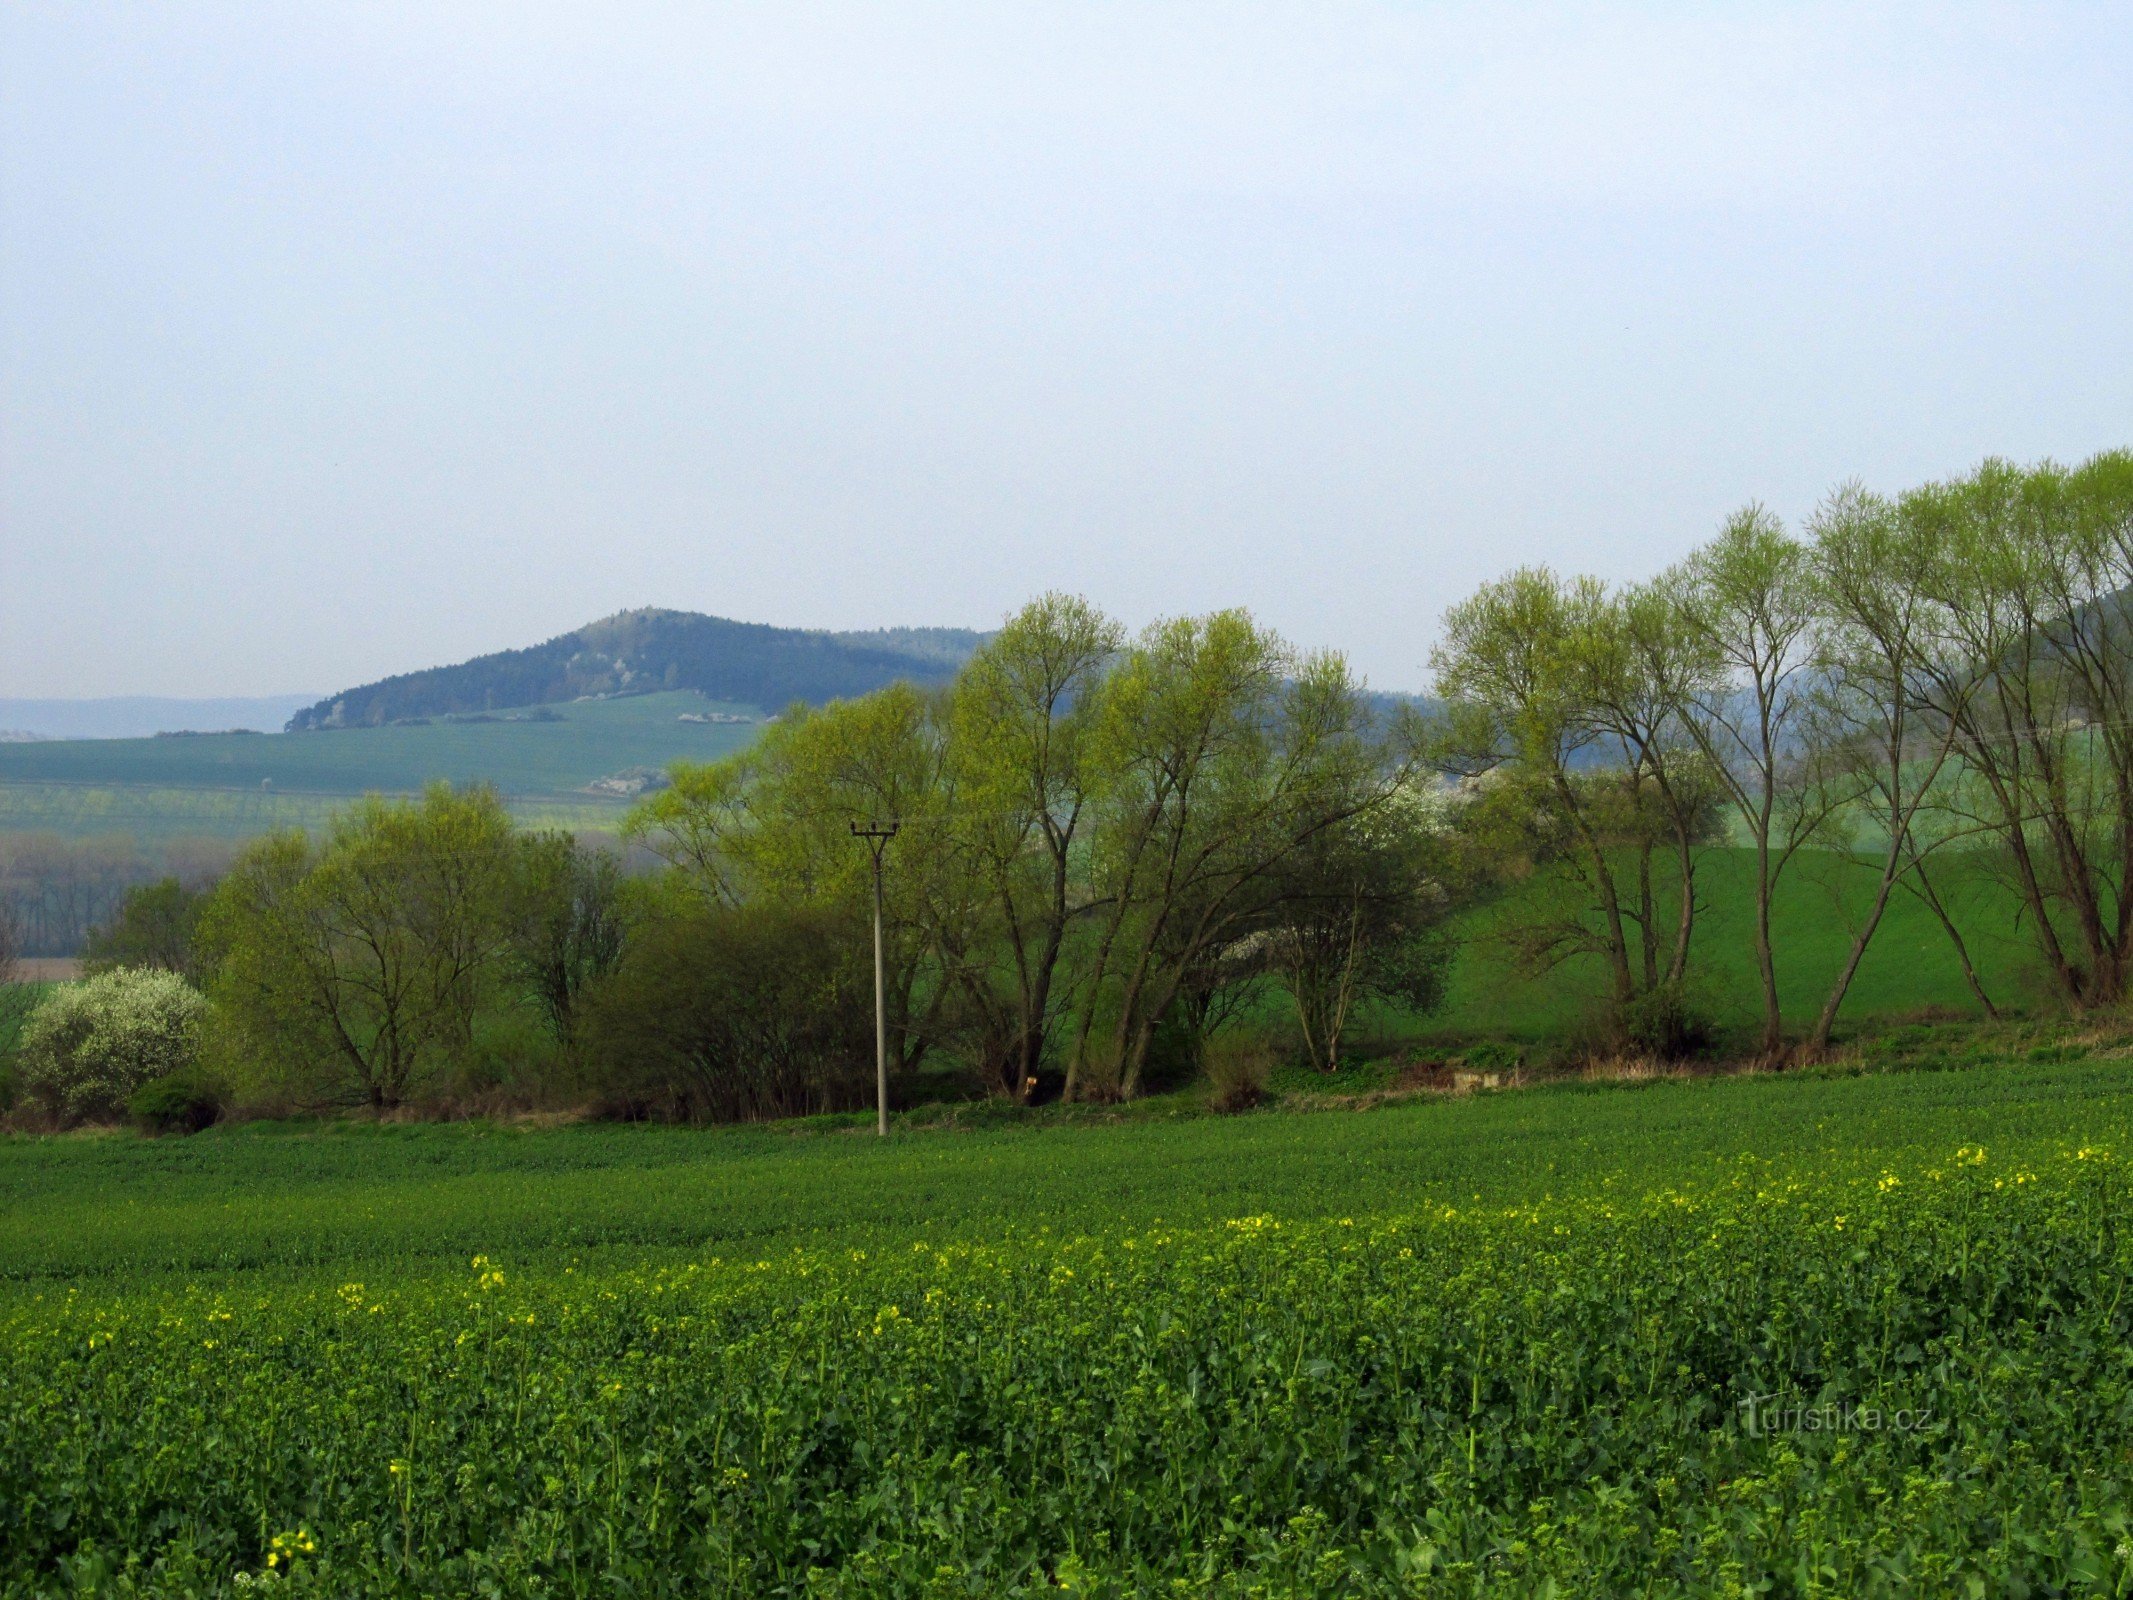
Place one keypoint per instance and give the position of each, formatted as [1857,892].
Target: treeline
[1106,850]
[1118,861]
[56,889]
[1949,668]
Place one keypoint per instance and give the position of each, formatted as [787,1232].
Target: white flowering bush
[92,1044]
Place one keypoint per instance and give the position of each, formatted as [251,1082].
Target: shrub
[726,1015]
[1237,1066]
[91,1044]
[180,1103]
[1663,1024]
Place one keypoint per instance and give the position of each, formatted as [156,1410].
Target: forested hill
[640,651]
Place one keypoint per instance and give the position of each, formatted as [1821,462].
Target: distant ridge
[139,716]
[637,652]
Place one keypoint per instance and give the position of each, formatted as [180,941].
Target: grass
[243,784]
[1910,966]
[1469,1346]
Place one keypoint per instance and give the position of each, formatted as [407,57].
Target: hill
[634,652]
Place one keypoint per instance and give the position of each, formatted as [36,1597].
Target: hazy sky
[337,341]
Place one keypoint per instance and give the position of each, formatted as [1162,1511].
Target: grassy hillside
[1909,967]
[235,784]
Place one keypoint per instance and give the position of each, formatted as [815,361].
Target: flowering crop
[1455,1400]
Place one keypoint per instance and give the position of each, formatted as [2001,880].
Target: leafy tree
[1028,780]
[1228,752]
[1877,723]
[772,826]
[2033,668]
[362,961]
[565,924]
[1359,917]
[1561,718]
[155,926]
[1748,601]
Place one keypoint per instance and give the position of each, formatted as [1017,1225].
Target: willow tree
[1878,723]
[2033,668]
[1748,603]
[1226,752]
[771,826]
[1027,777]
[1560,701]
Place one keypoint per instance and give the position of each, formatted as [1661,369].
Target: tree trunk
[1765,958]
[1818,1040]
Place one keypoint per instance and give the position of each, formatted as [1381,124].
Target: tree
[155,926]
[1876,636]
[364,960]
[1749,601]
[1227,752]
[1027,780]
[1560,715]
[90,1045]
[772,826]
[2033,667]
[565,924]
[1356,918]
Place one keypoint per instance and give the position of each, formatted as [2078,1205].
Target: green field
[1909,967]
[1457,1347]
[236,784]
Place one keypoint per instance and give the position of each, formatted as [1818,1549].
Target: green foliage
[1098,839]
[156,926]
[1493,1055]
[566,917]
[726,1013]
[359,967]
[89,1045]
[18,1003]
[183,1102]
[1358,1355]
[1663,1024]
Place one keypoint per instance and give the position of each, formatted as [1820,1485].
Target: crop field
[1770,1335]
[237,784]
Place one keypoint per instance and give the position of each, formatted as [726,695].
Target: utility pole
[877,836]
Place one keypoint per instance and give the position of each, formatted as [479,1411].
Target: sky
[338,341]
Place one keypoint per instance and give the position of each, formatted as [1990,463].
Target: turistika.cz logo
[1766,1413]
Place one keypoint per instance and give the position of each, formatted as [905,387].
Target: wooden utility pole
[877,836]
